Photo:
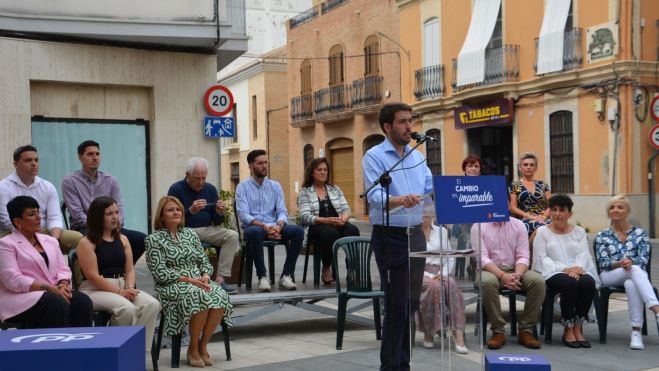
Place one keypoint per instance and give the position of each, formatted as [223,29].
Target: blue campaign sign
[470,199]
[219,127]
[512,362]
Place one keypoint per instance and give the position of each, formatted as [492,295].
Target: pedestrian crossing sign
[219,127]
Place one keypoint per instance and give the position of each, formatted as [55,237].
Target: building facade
[569,80]
[129,76]
[344,64]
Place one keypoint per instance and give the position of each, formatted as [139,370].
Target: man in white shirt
[25,182]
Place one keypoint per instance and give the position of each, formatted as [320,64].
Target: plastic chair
[358,253]
[316,263]
[547,317]
[246,260]
[176,344]
[101,318]
[605,294]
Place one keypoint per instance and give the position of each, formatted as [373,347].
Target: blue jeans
[291,236]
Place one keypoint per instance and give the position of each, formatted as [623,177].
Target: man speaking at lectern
[410,181]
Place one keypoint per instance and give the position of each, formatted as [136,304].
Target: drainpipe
[651,200]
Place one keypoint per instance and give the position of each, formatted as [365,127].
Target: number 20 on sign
[218,100]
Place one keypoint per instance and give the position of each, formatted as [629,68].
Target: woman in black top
[106,261]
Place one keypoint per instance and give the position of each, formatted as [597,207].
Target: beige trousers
[226,241]
[140,312]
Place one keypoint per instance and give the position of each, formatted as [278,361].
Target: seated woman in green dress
[181,272]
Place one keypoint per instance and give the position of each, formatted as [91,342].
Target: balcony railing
[429,82]
[333,100]
[366,91]
[331,4]
[304,17]
[301,109]
[501,64]
[572,53]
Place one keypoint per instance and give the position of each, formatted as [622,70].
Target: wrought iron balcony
[572,53]
[304,17]
[367,94]
[501,65]
[333,103]
[429,82]
[331,4]
[302,111]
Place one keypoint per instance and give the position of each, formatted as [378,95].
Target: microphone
[420,137]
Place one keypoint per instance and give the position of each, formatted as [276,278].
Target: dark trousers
[52,310]
[576,296]
[324,236]
[136,239]
[403,293]
[291,235]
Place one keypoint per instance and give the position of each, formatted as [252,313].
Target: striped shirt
[264,202]
[309,205]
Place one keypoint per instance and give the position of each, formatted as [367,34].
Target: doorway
[495,147]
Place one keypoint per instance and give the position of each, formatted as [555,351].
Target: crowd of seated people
[37,288]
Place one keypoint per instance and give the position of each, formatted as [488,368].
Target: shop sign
[496,112]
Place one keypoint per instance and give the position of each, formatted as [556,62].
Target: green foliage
[229,213]
[587,229]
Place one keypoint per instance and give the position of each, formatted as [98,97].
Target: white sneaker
[428,341]
[636,341]
[286,282]
[264,284]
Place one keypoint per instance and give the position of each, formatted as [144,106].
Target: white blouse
[436,235]
[553,252]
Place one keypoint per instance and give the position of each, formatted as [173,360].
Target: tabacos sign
[495,112]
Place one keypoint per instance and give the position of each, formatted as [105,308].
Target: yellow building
[569,80]
[344,64]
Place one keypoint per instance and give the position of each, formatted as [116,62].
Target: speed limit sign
[218,100]
[654,136]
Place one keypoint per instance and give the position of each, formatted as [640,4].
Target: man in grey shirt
[83,186]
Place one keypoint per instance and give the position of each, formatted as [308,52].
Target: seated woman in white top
[437,277]
[562,256]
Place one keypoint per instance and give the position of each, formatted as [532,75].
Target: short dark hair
[470,159]
[17,206]
[388,112]
[19,151]
[96,218]
[561,201]
[88,143]
[252,155]
[308,171]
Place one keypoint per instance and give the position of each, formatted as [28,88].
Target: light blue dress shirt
[412,176]
[264,202]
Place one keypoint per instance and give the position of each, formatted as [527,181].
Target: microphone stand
[385,182]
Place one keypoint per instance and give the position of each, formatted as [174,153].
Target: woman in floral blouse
[622,254]
[529,196]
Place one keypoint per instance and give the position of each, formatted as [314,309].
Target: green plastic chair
[358,253]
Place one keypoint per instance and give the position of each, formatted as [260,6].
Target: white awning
[471,60]
[550,43]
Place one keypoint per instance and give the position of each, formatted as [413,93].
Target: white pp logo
[64,338]
[514,359]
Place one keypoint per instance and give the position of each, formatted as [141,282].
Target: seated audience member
[505,262]
[622,252]
[261,209]
[437,278]
[83,186]
[181,272]
[529,196]
[561,254]
[106,261]
[204,213]
[35,280]
[325,211]
[24,181]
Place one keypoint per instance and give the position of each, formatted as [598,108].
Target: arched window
[561,152]
[305,77]
[371,56]
[308,154]
[336,66]
[434,151]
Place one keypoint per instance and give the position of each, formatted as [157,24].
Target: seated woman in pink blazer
[35,280]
